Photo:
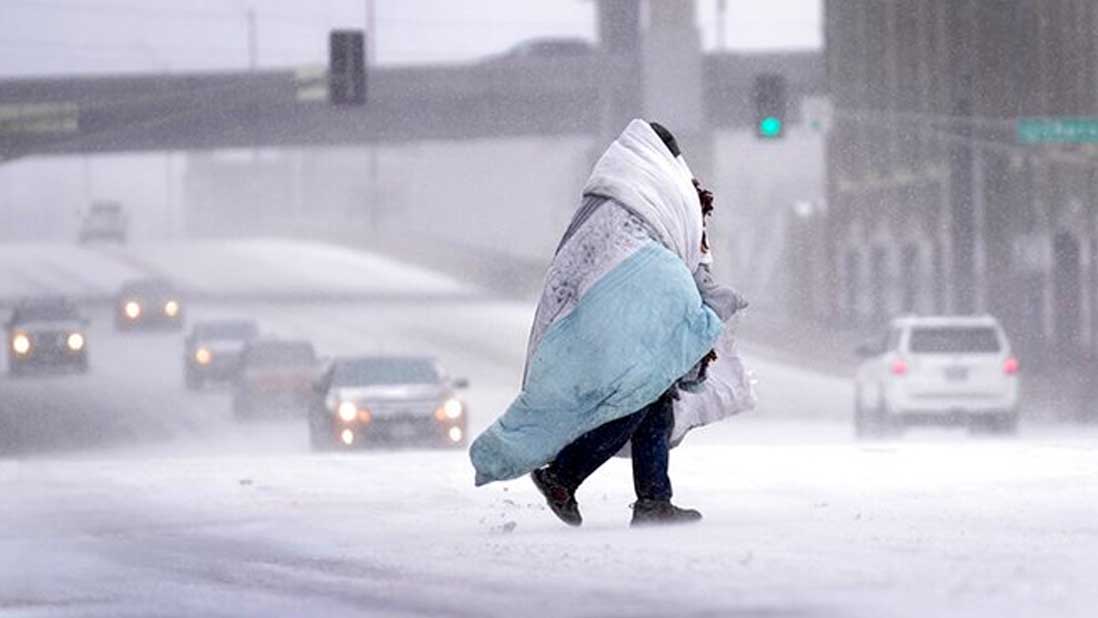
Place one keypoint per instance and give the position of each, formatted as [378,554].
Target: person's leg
[651,453]
[558,481]
[581,458]
[651,450]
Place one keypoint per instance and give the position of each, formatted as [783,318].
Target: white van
[937,371]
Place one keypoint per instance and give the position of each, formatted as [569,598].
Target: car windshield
[375,371]
[45,311]
[955,340]
[281,355]
[226,330]
[148,288]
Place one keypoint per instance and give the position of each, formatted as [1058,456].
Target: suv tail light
[899,367]
[1011,366]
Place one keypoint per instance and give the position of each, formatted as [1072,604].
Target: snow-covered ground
[130,496]
[922,528]
[264,268]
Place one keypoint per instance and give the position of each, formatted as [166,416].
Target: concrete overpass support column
[619,26]
[672,80]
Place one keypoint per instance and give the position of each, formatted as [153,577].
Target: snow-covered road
[799,527]
[125,495]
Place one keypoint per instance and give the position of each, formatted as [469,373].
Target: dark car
[276,375]
[386,399]
[148,303]
[213,349]
[46,333]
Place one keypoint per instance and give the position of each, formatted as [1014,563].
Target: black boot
[657,512]
[561,497]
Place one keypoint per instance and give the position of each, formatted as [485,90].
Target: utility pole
[371,32]
[253,61]
[169,206]
[253,51]
[722,15]
[371,51]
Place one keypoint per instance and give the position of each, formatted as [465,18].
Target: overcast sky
[83,36]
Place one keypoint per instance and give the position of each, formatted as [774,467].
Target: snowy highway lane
[131,496]
[920,528]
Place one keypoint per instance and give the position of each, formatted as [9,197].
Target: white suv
[937,370]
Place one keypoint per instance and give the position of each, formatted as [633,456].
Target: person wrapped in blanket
[629,316]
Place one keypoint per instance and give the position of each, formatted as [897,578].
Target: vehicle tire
[998,424]
[873,424]
[859,415]
[319,439]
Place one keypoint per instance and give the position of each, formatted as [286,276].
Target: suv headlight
[75,342]
[21,343]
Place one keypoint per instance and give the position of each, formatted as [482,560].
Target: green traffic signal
[771,126]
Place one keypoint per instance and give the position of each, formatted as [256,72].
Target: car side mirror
[460,383]
[868,350]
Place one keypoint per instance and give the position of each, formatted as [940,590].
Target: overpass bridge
[545,97]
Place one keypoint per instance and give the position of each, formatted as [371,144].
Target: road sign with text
[1061,130]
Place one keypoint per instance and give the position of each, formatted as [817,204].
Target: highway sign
[1058,130]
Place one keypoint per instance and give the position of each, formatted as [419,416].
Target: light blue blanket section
[632,335]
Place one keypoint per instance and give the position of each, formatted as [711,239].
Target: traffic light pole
[962,214]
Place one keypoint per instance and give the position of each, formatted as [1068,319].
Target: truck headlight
[75,342]
[132,309]
[171,308]
[347,411]
[21,344]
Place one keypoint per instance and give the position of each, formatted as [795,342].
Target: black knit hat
[668,139]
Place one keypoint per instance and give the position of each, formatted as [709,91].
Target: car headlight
[75,342]
[453,409]
[21,343]
[203,356]
[132,309]
[171,308]
[455,434]
[347,411]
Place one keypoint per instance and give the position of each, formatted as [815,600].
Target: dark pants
[650,431]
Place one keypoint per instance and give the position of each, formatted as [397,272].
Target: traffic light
[770,105]
[347,67]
